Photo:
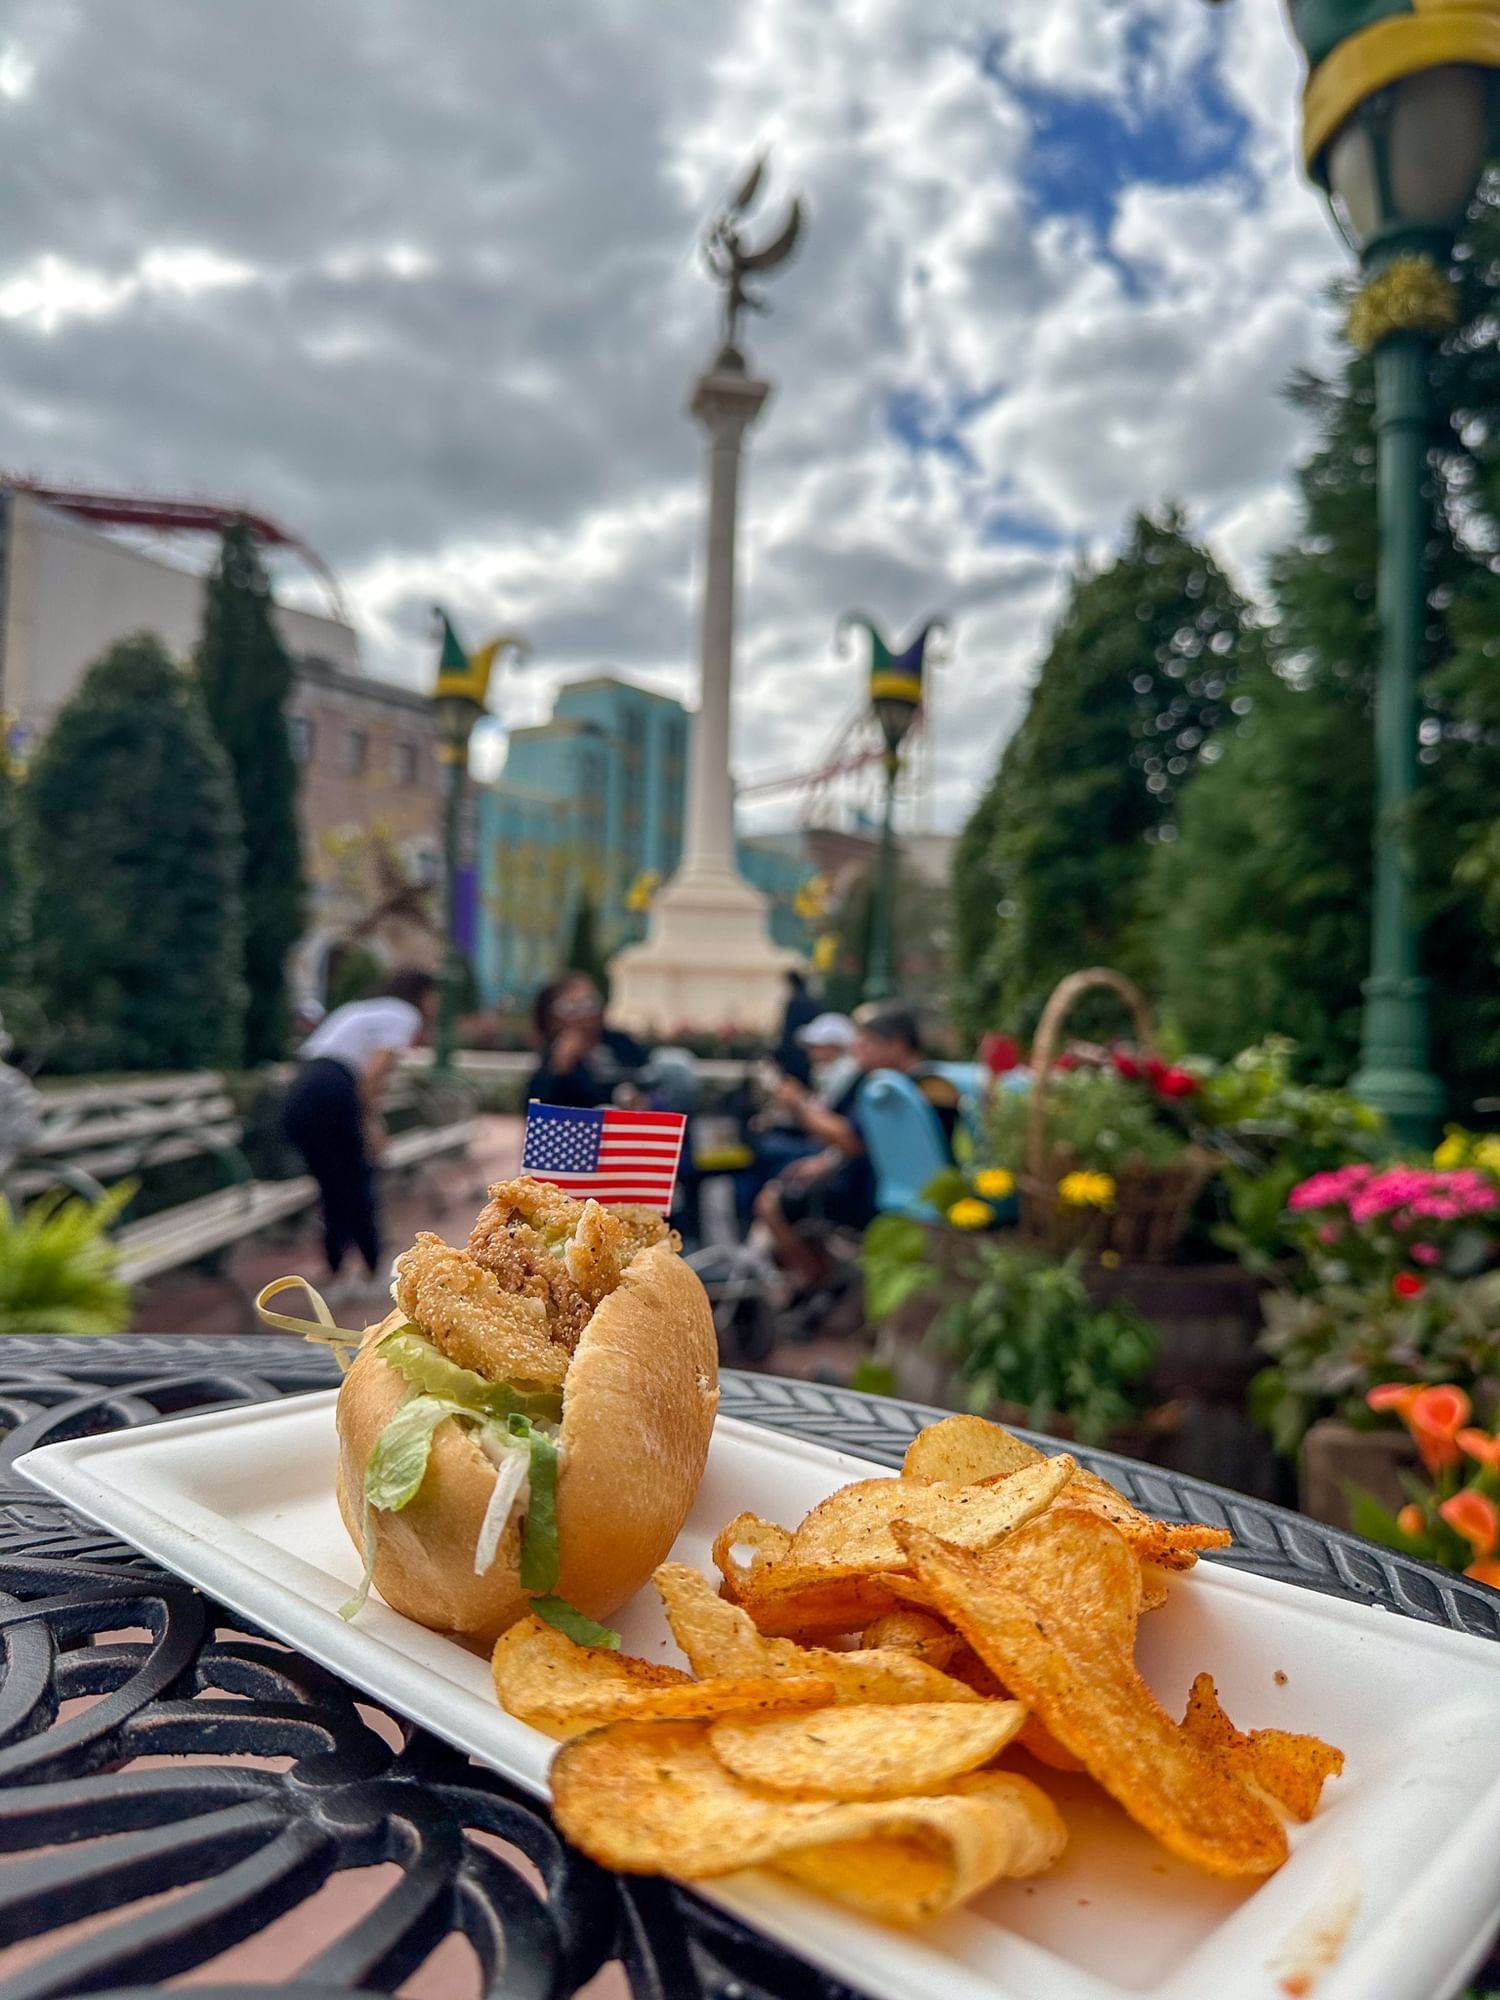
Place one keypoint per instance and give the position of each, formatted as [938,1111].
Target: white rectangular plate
[1403,1860]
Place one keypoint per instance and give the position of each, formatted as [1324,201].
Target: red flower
[1176,1083]
[999,1053]
[1066,1061]
[1407,1285]
[1127,1065]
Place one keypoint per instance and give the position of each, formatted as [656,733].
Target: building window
[299,736]
[406,763]
[356,752]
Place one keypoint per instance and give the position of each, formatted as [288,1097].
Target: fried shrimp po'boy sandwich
[527,1430]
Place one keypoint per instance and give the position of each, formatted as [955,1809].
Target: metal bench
[97,1132]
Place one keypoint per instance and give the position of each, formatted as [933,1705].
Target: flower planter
[1335,1455]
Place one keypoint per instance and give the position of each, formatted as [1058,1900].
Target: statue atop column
[730,262]
[707,960]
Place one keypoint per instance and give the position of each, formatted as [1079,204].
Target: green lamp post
[458,699]
[895,698]
[1397,125]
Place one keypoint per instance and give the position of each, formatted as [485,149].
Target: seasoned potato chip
[1052,1612]
[866,1752]
[1167,1544]
[1291,1768]
[766,1542]
[651,1798]
[850,1531]
[543,1678]
[792,1602]
[915,1632]
[901,1882]
[1035,1737]
[964,1450]
[719,1638]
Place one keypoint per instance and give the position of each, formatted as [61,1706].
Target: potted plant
[1395,1284]
[1102,1146]
[1012,1335]
[57,1266]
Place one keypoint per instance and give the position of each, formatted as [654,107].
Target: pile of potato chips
[856,1679]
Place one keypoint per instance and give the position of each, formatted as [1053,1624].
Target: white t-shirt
[354,1033]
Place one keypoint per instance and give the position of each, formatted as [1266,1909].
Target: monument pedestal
[708,963]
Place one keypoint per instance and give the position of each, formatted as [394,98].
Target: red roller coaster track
[168,515]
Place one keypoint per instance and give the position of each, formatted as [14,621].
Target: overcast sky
[421,281]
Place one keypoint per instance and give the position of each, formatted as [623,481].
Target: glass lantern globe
[895,717]
[456,716]
[1402,168]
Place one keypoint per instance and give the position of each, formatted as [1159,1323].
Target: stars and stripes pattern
[609,1155]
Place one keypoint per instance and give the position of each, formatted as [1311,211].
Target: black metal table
[113,1672]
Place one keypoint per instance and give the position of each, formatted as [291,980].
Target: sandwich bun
[637,1416]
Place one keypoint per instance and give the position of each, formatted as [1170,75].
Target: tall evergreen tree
[246,678]
[1140,678]
[14,914]
[1264,903]
[131,822]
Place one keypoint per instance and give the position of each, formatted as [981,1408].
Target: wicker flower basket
[1149,1213]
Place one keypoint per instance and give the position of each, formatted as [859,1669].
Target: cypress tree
[246,678]
[13,899]
[1140,679]
[131,822]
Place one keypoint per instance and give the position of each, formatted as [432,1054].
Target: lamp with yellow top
[896,699]
[458,700]
[1398,123]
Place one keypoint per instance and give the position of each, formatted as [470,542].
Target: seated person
[583,1063]
[836,1185]
[781,1130]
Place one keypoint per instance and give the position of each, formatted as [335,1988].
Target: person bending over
[333,1109]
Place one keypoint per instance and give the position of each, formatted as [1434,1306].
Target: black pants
[324,1121]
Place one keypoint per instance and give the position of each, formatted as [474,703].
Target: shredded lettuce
[582,1631]
[541,1562]
[397,1464]
[422,1363]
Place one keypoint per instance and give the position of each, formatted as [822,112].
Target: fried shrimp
[529,1226]
[463,1308]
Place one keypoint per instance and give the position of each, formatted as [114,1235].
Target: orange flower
[1480,1445]
[1476,1519]
[1487,1571]
[1435,1418]
[1410,1520]
[1397,1396]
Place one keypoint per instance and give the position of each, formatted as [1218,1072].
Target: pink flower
[1424,1253]
[1328,1232]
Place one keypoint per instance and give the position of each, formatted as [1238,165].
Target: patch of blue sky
[1087,148]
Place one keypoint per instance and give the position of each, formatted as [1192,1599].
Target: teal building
[590,803]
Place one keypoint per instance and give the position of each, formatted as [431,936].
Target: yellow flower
[1487,1154]
[1453,1151]
[1086,1190]
[997,1182]
[1110,1259]
[970,1214]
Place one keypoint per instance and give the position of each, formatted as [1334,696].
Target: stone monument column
[726,403]
[707,960]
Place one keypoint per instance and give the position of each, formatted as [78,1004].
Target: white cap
[827,1031]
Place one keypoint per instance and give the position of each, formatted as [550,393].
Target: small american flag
[610,1155]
